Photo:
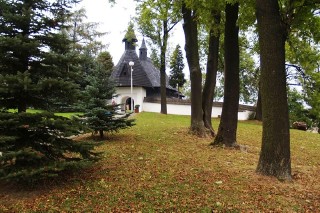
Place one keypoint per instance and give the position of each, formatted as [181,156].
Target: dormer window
[124,70]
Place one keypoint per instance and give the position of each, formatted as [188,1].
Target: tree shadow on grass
[64,179]
[107,138]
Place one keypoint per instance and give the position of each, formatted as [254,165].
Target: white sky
[115,20]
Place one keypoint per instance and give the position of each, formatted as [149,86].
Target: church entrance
[128,104]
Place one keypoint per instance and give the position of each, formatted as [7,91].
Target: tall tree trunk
[192,54]
[211,75]
[275,151]
[259,106]
[163,83]
[101,133]
[227,131]
[22,106]
[24,56]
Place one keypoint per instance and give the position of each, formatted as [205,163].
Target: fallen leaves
[164,169]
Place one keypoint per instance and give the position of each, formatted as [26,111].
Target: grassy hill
[157,167]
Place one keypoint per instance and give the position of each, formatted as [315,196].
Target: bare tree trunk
[211,75]
[192,54]
[227,131]
[275,151]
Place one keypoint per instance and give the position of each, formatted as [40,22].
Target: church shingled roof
[144,73]
[121,72]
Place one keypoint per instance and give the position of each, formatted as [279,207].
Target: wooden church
[135,77]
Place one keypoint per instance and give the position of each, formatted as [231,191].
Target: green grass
[156,166]
[63,114]
[68,114]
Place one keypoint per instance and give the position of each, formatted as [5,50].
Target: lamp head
[131,63]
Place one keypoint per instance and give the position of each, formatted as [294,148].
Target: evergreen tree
[37,70]
[154,56]
[86,44]
[34,146]
[176,65]
[36,63]
[99,115]
[105,62]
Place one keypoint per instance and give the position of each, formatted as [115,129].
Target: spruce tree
[37,69]
[101,116]
[176,65]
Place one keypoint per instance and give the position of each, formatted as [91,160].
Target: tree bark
[227,130]
[258,115]
[275,151]
[211,75]
[192,54]
[22,106]
[163,83]
[101,133]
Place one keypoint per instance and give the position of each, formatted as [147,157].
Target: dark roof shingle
[144,73]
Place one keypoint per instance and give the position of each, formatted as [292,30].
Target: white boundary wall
[138,94]
[186,110]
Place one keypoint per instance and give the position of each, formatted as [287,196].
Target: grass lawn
[157,167]
[63,114]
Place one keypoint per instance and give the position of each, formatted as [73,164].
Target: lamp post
[131,63]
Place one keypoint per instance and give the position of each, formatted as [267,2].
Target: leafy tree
[313,98]
[303,68]
[249,74]
[229,118]
[36,70]
[297,112]
[186,90]
[213,24]
[275,151]
[295,22]
[99,115]
[177,66]
[156,20]
[190,27]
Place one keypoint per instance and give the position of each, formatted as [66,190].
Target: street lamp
[131,63]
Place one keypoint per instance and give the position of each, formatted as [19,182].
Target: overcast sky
[115,19]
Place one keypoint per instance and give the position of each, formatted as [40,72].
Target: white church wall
[138,94]
[186,110]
